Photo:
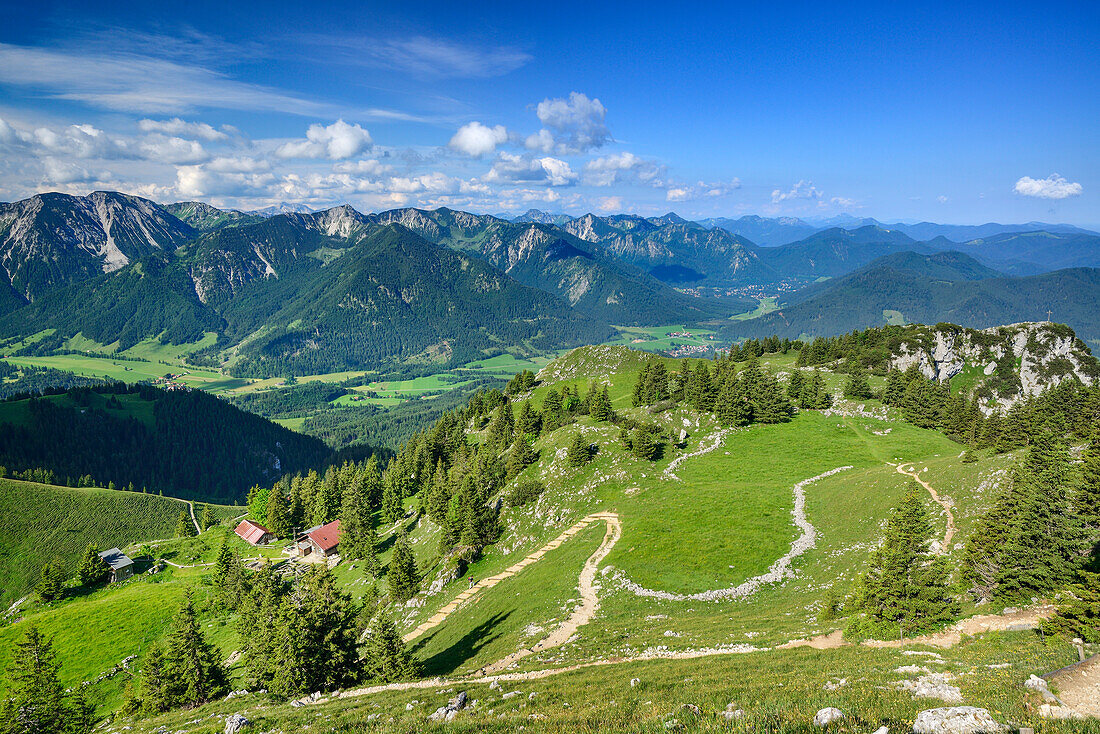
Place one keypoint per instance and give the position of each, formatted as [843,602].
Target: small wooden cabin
[120,564]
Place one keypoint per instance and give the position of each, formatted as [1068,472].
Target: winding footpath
[587,590]
[779,570]
[910,470]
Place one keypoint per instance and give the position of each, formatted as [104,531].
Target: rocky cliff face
[54,239]
[1039,355]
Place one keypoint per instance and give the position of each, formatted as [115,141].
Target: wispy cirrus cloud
[423,56]
[126,81]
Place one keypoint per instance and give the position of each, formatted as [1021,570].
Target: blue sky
[955,113]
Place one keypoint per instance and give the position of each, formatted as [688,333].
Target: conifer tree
[905,591]
[393,497]
[278,521]
[1086,499]
[520,456]
[601,409]
[796,384]
[156,694]
[386,658]
[93,569]
[191,664]
[35,702]
[733,407]
[79,712]
[857,387]
[645,442]
[404,581]
[579,452]
[49,586]
[184,527]
[1080,616]
[770,405]
[357,536]
[316,641]
[207,519]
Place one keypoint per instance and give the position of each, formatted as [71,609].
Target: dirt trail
[945,546]
[590,602]
[612,520]
[1079,687]
[1070,688]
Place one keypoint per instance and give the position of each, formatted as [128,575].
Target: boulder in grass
[956,720]
[448,712]
[826,716]
[236,723]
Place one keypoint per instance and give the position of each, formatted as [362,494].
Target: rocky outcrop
[1046,354]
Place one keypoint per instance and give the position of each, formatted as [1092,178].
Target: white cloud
[335,142]
[610,204]
[182,129]
[423,56]
[941,199]
[801,190]
[843,202]
[509,167]
[609,169]
[1051,187]
[137,82]
[570,126]
[701,190]
[173,150]
[238,164]
[476,140]
[65,172]
[366,167]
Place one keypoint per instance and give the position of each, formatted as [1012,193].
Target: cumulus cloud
[182,129]
[335,142]
[173,150]
[701,190]
[570,126]
[1051,187]
[553,171]
[476,140]
[843,202]
[801,190]
[609,169]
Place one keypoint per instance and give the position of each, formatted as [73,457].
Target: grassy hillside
[43,522]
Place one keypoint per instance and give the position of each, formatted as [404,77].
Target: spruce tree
[645,442]
[386,659]
[156,693]
[49,586]
[1080,616]
[191,664]
[905,591]
[278,521]
[207,519]
[579,452]
[35,701]
[184,527]
[393,497]
[93,569]
[601,409]
[796,384]
[404,581]
[857,387]
[1086,498]
[520,456]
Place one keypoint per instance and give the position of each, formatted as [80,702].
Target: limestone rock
[956,720]
[448,712]
[826,716]
[236,723]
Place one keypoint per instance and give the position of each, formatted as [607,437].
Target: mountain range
[302,291]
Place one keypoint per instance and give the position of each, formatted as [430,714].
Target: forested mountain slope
[184,443]
[895,291]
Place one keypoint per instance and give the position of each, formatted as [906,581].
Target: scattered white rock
[448,712]
[236,723]
[512,694]
[836,685]
[934,685]
[826,716]
[956,720]
[635,681]
[494,686]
